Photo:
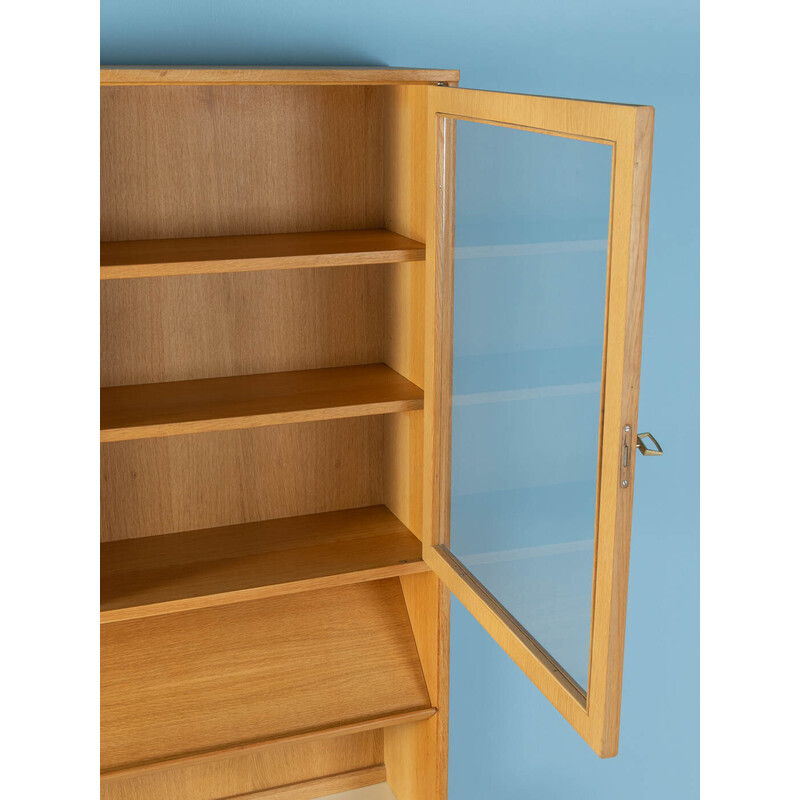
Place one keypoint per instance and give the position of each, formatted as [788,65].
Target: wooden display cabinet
[276,362]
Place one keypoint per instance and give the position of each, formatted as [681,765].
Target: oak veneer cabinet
[343,375]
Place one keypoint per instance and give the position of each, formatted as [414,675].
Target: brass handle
[642,447]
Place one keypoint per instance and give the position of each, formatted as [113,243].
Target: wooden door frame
[594,713]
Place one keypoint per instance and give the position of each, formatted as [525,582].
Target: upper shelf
[193,76]
[149,410]
[152,258]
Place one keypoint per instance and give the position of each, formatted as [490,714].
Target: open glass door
[537,239]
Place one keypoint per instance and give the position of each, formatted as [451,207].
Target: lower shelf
[196,569]
[218,681]
[285,770]
[331,788]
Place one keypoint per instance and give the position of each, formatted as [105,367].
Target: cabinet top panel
[193,76]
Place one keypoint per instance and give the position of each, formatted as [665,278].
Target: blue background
[506,742]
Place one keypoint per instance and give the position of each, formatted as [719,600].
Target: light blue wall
[506,742]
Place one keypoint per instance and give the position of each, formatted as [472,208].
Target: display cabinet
[344,373]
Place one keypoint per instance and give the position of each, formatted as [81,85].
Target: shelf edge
[257,420]
[260,592]
[222,266]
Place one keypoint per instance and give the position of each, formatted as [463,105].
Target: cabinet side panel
[415,754]
[178,483]
[182,161]
[279,765]
[403,468]
[405,108]
[404,185]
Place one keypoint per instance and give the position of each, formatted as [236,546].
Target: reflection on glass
[529,303]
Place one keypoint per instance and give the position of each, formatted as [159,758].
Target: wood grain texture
[184,483]
[279,765]
[416,753]
[370,724]
[440,191]
[626,311]
[332,76]
[404,181]
[628,129]
[251,401]
[402,467]
[204,681]
[196,165]
[197,161]
[181,571]
[445,177]
[208,326]
[327,787]
[405,113]
[405,110]
[163,257]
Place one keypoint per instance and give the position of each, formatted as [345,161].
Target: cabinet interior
[268,620]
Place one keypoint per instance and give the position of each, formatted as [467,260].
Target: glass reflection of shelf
[533,549]
[529,249]
[517,395]
[524,553]
[555,514]
[530,375]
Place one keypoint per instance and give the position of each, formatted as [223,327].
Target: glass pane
[531,240]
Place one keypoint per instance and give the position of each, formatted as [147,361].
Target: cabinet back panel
[208,326]
[180,161]
[278,765]
[180,483]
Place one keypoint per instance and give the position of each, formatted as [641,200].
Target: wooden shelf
[181,571]
[346,730]
[184,687]
[152,258]
[250,401]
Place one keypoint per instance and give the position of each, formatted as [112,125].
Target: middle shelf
[176,572]
[149,410]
